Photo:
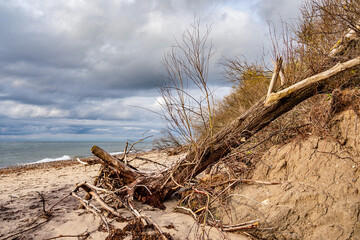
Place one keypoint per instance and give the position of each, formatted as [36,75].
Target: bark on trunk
[161,186]
[123,170]
[252,121]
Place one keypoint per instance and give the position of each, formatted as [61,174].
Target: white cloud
[16,110]
[83,65]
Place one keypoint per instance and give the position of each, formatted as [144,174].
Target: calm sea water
[25,152]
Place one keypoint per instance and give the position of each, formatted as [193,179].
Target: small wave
[65,157]
[116,153]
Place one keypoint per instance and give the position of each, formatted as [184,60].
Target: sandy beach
[21,207]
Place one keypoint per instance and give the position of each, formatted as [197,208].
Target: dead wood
[345,41]
[245,181]
[94,193]
[128,174]
[88,189]
[92,208]
[149,160]
[186,210]
[241,226]
[25,230]
[79,236]
[308,83]
[252,121]
[154,189]
[128,183]
[275,75]
[46,213]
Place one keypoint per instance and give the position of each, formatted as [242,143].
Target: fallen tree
[156,187]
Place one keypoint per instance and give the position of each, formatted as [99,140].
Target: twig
[187,210]
[84,163]
[270,136]
[156,227]
[242,224]
[134,211]
[84,235]
[275,76]
[96,196]
[259,182]
[246,181]
[177,165]
[26,230]
[124,158]
[131,147]
[90,189]
[172,178]
[244,227]
[223,192]
[149,160]
[282,78]
[58,202]
[47,214]
[334,154]
[92,209]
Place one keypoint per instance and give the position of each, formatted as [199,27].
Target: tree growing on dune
[321,54]
[187,66]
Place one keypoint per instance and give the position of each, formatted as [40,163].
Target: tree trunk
[161,186]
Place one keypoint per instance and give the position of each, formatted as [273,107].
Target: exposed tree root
[118,183]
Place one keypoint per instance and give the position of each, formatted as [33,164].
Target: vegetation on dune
[326,33]
[187,65]
[315,59]
[307,47]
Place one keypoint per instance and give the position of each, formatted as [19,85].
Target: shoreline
[22,208]
[59,163]
[20,153]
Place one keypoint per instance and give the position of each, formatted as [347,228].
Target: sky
[86,70]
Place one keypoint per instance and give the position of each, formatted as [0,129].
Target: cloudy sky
[76,70]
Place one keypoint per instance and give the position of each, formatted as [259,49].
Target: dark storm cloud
[25,40]
[18,129]
[95,60]
[106,44]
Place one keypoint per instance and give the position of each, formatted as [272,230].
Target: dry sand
[319,197]
[21,206]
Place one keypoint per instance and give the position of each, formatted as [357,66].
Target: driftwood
[310,82]
[282,78]
[122,182]
[345,41]
[275,76]
[153,189]
[241,226]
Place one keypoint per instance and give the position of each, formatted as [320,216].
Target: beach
[21,205]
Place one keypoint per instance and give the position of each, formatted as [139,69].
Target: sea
[15,153]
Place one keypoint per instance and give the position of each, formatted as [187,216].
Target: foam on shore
[65,157]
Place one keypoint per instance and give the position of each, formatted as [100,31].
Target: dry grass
[306,48]
[187,66]
[250,84]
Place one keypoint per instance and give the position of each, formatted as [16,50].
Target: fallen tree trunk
[122,169]
[154,189]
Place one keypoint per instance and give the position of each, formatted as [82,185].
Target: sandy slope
[319,197]
[21,206]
